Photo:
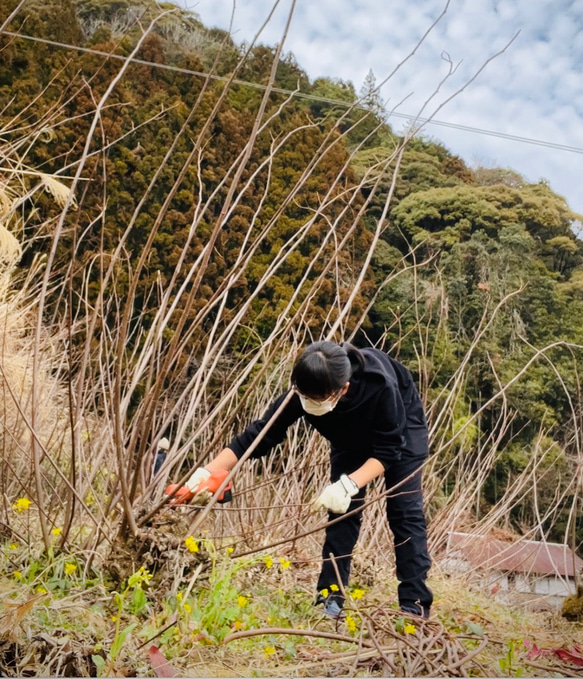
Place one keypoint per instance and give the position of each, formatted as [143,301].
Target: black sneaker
[416,610]
[332,607]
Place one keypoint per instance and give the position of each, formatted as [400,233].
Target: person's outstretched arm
[226,459]
[369,471]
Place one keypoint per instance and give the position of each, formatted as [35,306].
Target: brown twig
[291,631]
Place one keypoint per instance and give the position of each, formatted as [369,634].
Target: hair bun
[323,368]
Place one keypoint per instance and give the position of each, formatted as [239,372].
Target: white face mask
[319,407]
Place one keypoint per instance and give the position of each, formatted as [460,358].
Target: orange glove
[205,490]
[183,494]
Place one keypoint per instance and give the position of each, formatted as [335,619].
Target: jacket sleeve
[275,434]
[388,427]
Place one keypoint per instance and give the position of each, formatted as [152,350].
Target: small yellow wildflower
[357,594]
[230,550]
[40,590]
[18,575]
[238,625]
[350,623]
[21,504]
[114,618]
[268,561]
[70,568]
[13,545]
[410,629]
[191,544]
[179,596]
[242,601]
[284,563]
[187,608]
[268,650]
[56,531]
[140,576]
[334,588]
[324,592]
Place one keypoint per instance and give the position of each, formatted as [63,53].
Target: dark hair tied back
[355,357]
[324,367]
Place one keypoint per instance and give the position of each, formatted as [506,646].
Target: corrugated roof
[525,556]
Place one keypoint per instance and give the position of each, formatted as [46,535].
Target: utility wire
[299,95]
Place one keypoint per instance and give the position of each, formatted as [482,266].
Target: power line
[300,95]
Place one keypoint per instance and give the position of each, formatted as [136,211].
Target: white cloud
[532,90]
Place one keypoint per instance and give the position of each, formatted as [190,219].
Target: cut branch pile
[428,649]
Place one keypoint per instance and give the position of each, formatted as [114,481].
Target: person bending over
[366,405]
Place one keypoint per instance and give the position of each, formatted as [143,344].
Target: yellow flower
[410,629]
[334,588]
[56,531]
[230,550]
[242,601]
[179,596]
[114,618]
[187,608]
[238,625]
[18,575]
[140,576]
[70,568]
[21,504]
[357,593]
[13,545]
[268,561]
[40,590]
[324,592]
[191,544]
[350,623]
[284,563]
[268,650]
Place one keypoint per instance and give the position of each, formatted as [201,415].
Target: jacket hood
[367,384]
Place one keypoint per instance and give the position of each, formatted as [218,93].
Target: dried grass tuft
[6,200]
[10,249]
[60,192]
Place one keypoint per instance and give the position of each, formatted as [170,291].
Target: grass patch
[253,617]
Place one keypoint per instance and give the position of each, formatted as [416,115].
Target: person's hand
[180,494]
[336,496]
[188,491]
[199,493]
[196,478]
[200,488]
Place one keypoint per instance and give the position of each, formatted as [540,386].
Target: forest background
[179,216]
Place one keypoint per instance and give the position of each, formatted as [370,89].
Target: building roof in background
[524,556]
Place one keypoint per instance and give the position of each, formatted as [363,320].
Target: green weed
[508,662]
[133,600]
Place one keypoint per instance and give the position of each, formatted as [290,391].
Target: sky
[533,90]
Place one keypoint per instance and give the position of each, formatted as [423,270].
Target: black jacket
[380,416]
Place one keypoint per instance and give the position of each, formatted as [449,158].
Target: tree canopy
[198,184]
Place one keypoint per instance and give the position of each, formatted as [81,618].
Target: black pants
[407,523]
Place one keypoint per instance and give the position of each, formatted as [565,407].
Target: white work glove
[197,477]
[336,496]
